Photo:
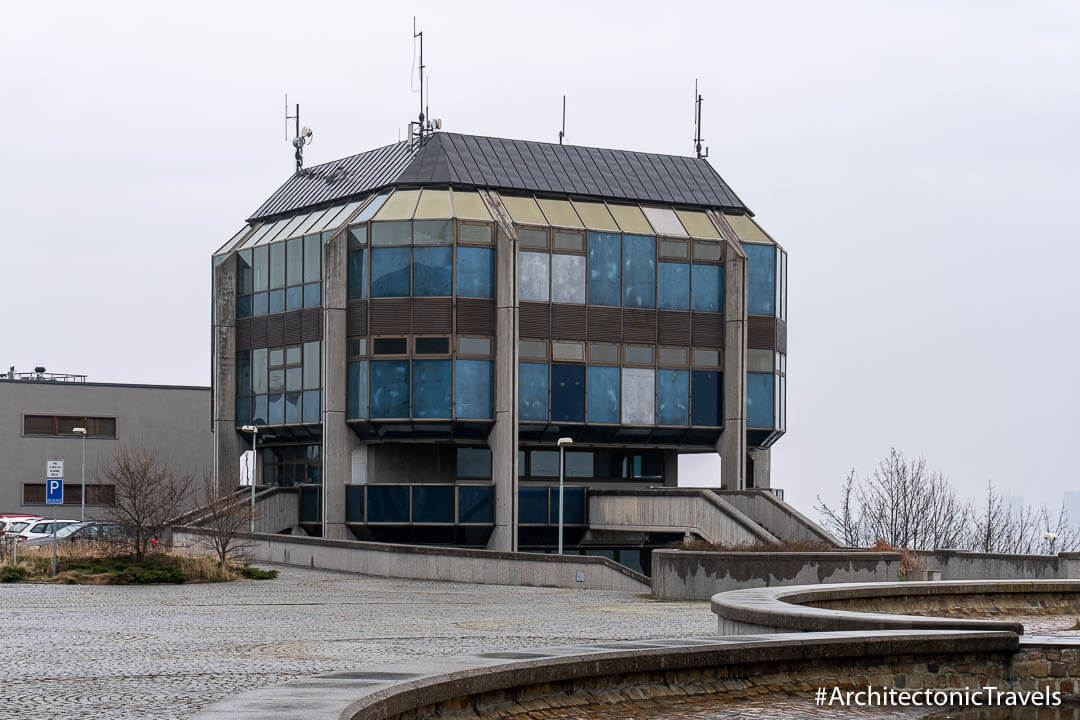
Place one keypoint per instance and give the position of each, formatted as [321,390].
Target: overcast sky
[919,161]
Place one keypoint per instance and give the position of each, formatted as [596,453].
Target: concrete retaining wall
[779,518]
[434,563]
[961,565]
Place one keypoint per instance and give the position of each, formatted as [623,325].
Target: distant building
[413,328]
[39,413]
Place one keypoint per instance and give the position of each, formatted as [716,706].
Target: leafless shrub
[226,516]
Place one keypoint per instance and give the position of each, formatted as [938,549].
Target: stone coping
[784,608]
[386,691]
[766,555]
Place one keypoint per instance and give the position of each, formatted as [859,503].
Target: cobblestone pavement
[164,652]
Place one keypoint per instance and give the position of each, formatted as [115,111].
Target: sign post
[54,495]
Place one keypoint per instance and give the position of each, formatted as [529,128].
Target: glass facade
[279,386]
[279,277]
[761,279]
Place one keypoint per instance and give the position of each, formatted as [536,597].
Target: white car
[8,523]
[41,528]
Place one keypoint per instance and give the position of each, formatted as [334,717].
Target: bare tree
[226,516]
[843,521]
[148,493]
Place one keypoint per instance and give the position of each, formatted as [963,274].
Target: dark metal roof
[516,165]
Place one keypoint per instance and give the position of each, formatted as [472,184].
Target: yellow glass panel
[595,216]
[399,206]
[524,210]
[560,212]
[747,229]
[697,224]
[433,204]
[631,219]
[470,206]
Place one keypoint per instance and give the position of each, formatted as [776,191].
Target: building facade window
[761,279]
[34,494]
[279,386]
[64,426]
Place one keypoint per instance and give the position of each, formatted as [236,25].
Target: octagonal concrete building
[413,328]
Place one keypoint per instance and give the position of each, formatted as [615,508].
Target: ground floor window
[34,494]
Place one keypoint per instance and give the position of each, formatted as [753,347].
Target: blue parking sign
[54,491]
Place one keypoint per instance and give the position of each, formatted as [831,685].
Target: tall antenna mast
[562,133]
[423,124]
[302,137]
[420,35]
[697,124]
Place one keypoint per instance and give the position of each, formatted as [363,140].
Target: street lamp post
[254,430]
[82,495]
[1050,537]
[562,443]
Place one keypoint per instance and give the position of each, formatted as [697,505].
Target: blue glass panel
[371,208]
[311,406]
[672,397]
[243,306]
[603,394]
[605,280]
[759,400]
[277,409]
[356,390]
[639,271]
[277,301]
[243,372]
[357,280]
[310,504]
[294,298]
[259,304]
[312,294]
[292,407]
[706,404]
[674,285]
[433,504]
[532,391]
[573,506]
[761,279]
[432,383]
[258,410]
[354,503]
[474,463]
[533,505]
[243,411]
[475,272]
[433,271]
[708,288]
[472,389]
[390,272]
[567,393]
[388,503]
[476,504]
[390,388]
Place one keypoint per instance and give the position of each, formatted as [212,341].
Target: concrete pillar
[762,462]
[671,468]
[732,442]
[227,443]
[337,439]
[503,438]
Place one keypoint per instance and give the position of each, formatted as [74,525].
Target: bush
[254,573]
[13,574]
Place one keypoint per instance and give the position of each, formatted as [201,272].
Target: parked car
[84,532]
[10,519]
[41,528]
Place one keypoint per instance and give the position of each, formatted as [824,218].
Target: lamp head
[250,428]
[1051,536]
[565,441]
[79,431]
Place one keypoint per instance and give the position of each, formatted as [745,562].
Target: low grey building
[39,413]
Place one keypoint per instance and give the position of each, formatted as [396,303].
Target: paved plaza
[162,652]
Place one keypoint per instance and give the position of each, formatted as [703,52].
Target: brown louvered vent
[357,318]
[258,332]
[389,316]
[243,334]
[761,332]
[293,322]
[639,326]
[534,320]
[708,329]
[568,321]
[781,336]
[275,330]
[605,324]
[311,324]
[674,327]
[433,315]
[475,316]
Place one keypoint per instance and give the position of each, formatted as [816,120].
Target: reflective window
[312,407]
[672,397]
[705,402]
[292,407]
[759,400]
[312,259]
[243,272]
[277,265]
[707,288]
[433,504]
[390,272]
[433,232]
[388,503]
[389,346]
[432,346]
[473,462]
[294,261]
[672,356]
[476,504]
[533,276]
[569,240]
[243,372]
[638,396]
[473,389]
[674,282]
[391,233]
[474,346]
[567,393]
[432,384]
[568,278]
[358,236]
[389,388]
[708,251]
[356,393]
[277,410]
[433,271]
[536,349]
[312,294]
[532,391]
[258,410]
[759,360]
[639,271]
[603,394]
[475,272]
[603,353]
[312,361]
[294,298]
[243,306]
[469,233]
[258,371]
[530,237]
[605,278]
[761,279]
[260,303]
[640,354]
[533,504]
[277,301]
[664,221]
[567,351]
[707,358]
[673,248]
[544,463]
[578,464]
[357,278]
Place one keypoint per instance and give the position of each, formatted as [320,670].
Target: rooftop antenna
[423,124]
[562,133]
[697,124]
[303,134]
